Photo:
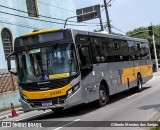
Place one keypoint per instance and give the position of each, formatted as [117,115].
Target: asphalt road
[126,106]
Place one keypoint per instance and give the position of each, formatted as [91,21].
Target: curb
[9,115]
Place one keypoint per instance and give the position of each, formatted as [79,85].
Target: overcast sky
[127,14]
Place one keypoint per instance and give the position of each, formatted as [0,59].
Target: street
[126,106]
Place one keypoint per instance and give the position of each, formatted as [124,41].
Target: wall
[8,98]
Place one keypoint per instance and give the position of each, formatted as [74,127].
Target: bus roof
[89,33]
[102,34]
[41,32]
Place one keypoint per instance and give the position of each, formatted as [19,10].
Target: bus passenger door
[86,67]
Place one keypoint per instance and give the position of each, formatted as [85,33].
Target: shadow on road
[125,94]
[154,106]
[85,108]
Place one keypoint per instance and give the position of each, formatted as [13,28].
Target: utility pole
[155,52]
[151,33]
[107,16]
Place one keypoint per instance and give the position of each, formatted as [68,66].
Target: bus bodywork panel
[58,102]
[116,76]
[119,76]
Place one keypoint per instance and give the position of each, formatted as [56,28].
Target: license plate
[47,104]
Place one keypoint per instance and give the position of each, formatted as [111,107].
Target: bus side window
[117,50]
[131,50]
[138,50]
[110,49]
[124,50]
[97,50]
[145,50]
[85,56]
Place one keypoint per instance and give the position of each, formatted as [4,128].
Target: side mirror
[9,64]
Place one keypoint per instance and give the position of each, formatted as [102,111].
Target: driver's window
[85,56]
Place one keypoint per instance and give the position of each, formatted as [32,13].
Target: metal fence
[8,82]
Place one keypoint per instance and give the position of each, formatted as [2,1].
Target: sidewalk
[156,73]
[7,113]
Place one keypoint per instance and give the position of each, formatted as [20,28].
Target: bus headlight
[73,90]
[70,91]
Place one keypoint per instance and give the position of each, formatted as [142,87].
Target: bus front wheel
[103,96]
[139,83]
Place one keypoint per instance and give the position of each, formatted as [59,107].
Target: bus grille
[59,83]
[55,101]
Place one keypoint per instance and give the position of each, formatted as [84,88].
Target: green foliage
[142,32]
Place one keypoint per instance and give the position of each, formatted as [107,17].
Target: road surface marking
[133,95]
[66,124]
[33,116]
[77,120]
[58,128]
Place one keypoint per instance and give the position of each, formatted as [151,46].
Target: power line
[108,2]
[118,30]
[31,13]
[11,23]
[47,16]
[43,20]
[56,6]
[63,9]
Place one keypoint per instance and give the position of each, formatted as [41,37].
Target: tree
[142,32]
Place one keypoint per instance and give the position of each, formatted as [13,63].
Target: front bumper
[60,102]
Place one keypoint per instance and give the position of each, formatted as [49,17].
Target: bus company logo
[6,124]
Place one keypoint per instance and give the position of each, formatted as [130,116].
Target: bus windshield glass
[47,63]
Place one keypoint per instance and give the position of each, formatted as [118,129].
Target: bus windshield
[47,63]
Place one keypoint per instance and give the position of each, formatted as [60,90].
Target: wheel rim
[139,85]
[102,96]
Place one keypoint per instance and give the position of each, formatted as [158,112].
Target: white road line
[133,95]
[32,116]
[67,124]
[77,120]
[58,128]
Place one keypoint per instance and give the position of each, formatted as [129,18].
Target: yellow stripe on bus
[55,76]
[40,32]
[48,93]
[131,73]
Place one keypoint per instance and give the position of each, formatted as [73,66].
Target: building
[18,17]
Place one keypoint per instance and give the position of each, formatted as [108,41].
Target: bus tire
[103,96]
[139,83]
[57,110]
